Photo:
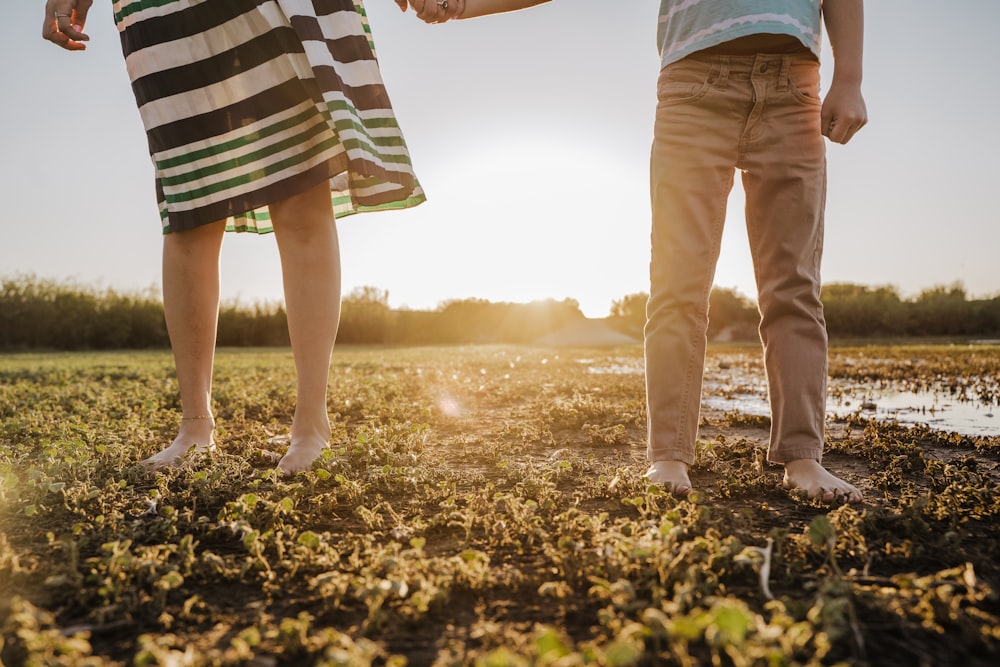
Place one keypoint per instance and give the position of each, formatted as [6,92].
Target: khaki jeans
[759,114]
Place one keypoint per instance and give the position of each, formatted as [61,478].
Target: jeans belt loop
[783,75]
[723,78]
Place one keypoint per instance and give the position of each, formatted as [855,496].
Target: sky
[530,132]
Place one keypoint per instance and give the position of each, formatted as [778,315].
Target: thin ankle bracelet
[187,419]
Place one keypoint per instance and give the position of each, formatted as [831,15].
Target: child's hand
[844,112]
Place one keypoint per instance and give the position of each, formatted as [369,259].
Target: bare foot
[301,454]
[193,437]
[671,474]
[818,482]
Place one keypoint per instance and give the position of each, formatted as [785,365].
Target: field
[485,505]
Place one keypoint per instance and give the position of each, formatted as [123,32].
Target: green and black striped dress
[247,102]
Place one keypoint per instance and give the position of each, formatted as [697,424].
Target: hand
[64,22]
[435,11]
[843,113]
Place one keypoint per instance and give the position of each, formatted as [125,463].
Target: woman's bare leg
[191,308]
[306,233]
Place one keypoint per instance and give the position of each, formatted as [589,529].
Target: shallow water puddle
[906,407]
[618,366]
[746,393]
[737,384]
[935,409]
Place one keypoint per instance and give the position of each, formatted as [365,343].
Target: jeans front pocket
[683,81]
[803,82]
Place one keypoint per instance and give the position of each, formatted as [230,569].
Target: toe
[681,490]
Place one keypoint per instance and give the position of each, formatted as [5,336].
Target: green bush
[44,314]
[731,315]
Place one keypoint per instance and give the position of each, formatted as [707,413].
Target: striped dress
[247,102]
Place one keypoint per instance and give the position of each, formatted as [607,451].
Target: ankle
[198,428]
[315,426]
[803,465]
[205,417]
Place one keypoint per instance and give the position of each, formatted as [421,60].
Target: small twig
[765,568]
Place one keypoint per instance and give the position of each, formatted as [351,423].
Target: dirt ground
[482,506]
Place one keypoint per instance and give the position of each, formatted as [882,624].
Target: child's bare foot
[301,454]
[671,474]
[817,482]
[193,437]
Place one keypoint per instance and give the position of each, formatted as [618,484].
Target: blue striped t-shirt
[687,26]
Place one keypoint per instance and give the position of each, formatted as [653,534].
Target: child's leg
[785,182]
[306,233]
[191,309]
[691,171]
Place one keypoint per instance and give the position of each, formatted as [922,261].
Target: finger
[80,13]
[833,126]
[842,130]
[829,128]
[429,11]
[852,130]
[65,42]
[842,134]
[49,29]
[51,32]
[442,12]
[826,121]
[837,131]
[68,25]
[403,4]
[455,9]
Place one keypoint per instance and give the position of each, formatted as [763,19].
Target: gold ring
[61,16]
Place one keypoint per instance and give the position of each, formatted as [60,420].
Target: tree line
[41,314]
